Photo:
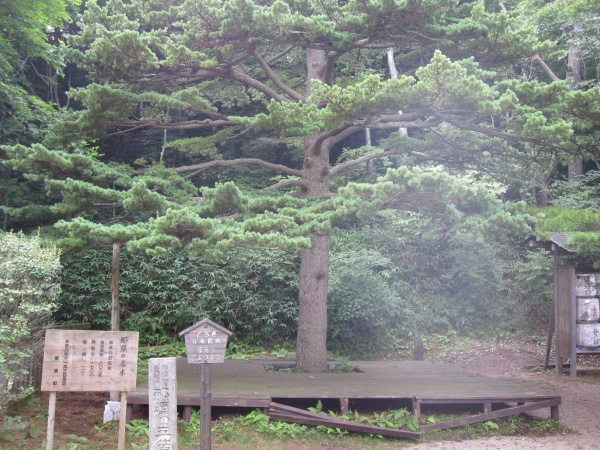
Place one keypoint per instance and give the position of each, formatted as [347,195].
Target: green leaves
[29,286]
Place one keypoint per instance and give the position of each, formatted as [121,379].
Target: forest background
[388,159]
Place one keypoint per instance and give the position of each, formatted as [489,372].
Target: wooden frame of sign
[205,343]
[89,361]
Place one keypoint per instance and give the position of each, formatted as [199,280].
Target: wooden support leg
[344,406]
[205,406]
[122,419]
[487,407]
[187,413]
[51,418]
[573,366]
[549,337]
[554,412]
[559,365]
[416,405]
[129,413]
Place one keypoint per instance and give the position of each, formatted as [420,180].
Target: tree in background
[573,26]
[217,77]
[29,53]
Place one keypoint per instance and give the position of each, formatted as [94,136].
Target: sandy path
[579,411]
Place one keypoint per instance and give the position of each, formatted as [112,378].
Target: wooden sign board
[162,401]
[205,342]
[90,361]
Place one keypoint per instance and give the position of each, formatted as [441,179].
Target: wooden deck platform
[237,383]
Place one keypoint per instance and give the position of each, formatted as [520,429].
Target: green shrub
[253,293]
[400,270]
[29,284]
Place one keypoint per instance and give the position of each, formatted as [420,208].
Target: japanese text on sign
[163,404]
[205,342]
[93,361]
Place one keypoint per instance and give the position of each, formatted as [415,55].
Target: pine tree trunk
[574,71]
[311,349]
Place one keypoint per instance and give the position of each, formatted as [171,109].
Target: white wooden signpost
[89,361]
[162,402]
[205,343]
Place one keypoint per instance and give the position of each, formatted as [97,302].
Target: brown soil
[523,361]
[80,414]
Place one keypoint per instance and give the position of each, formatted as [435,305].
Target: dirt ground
[519,360]
[522,361]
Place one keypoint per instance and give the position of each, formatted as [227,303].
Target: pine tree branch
[247,80]
[395,118]
[355,162]
[484,130]
[196,75]
[546,67]
[281,54]
[275,79]
[404,124]
[232,162]
[288,183]
[185,125]
[339,136]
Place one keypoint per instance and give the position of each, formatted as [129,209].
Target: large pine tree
[221,74]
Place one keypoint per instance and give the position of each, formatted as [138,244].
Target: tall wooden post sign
[89,361]
[205,343]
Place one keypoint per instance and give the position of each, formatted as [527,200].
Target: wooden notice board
[205,342]
[90,361]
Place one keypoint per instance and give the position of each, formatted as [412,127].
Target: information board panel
[206,346]
[90,361]
[205,342]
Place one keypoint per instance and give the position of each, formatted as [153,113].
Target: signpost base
[205,406]
[122,420]
[51,416]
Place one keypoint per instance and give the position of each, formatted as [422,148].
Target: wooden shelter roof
[557,243]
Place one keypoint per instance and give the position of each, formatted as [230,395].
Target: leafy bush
[580,193]
[528,277]
[398,271]
[361,303]
[29,284]
[253,293]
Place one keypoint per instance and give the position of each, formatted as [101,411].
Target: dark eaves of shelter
[556,243]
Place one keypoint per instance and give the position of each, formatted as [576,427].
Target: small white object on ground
[111,411]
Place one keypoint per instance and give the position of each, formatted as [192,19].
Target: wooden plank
[290,414]
[474,400]
[565,280]
[349,426]
[277,409]
[245,383]
[491,416]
